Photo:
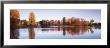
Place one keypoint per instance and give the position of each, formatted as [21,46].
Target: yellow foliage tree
[32,18]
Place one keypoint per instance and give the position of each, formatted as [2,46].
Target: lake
[55,32]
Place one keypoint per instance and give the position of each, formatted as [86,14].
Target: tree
[84,22]
[91,22]
[72,21]
[14,18]
[77,21]
[58,22]
[32,19]
[14,13]
[64,21]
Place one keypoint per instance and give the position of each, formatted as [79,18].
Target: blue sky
[58,14]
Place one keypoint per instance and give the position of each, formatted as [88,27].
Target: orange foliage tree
[14,13]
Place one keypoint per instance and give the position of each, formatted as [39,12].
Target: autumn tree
[77,21]
[14,13]
[84,22]
[72,21]
[14,18]
[32,19]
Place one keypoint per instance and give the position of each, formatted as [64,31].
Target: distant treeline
[64,22]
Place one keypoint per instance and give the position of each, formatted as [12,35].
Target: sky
[58,14]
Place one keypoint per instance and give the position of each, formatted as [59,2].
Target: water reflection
[92,30]
[66,30]
[71,29]
[14,34]
[31,33]
[63,31]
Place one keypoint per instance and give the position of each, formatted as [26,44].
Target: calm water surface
[58,33]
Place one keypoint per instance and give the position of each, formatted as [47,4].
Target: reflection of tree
[58,28]
[77,30]
[72,30]
[14,34]
[31,33]
[44,29]
[64,31]
[84,29]
[91,30]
